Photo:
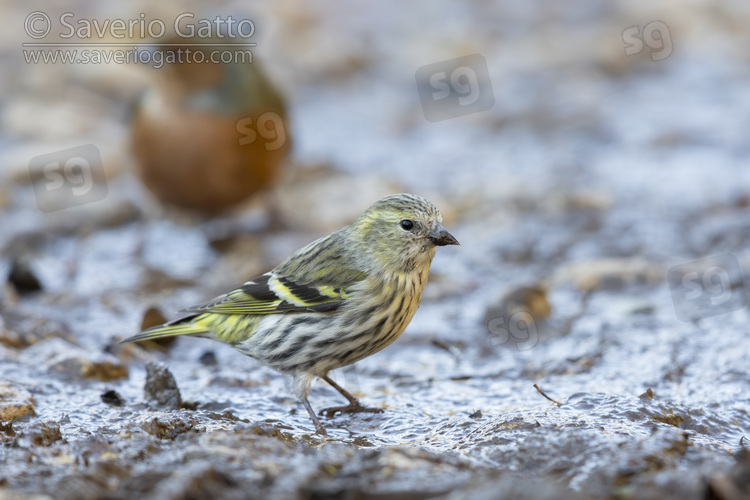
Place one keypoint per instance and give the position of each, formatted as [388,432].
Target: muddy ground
[587,198]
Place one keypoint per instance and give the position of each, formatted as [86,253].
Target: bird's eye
[407,225]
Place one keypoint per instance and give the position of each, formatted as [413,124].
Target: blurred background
[590,157]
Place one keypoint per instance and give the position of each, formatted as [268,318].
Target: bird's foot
[353,407]
[318,426]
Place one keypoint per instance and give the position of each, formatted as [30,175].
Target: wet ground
[574,197]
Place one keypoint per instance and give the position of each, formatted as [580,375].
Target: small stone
[476,415]
[669,417]
[7,429]
[190,405]
[22,277]
[112,398]
[170,426]
[161,387]
[208,358]
[15,402]
[649,394]
[44,434]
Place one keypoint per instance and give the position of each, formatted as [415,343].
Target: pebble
[15,401]
[161,387]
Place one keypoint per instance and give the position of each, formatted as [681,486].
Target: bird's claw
[350,408]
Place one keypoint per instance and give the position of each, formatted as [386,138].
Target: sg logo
[520,327]
[707,287]
[655,36]
[456,87]
[269,125]
[68,178]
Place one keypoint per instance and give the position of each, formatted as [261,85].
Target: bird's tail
[182,326]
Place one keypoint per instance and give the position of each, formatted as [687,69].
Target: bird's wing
[272,293]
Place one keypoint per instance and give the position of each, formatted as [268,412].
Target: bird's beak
[440,237]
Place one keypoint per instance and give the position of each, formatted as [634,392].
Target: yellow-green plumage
[340,299]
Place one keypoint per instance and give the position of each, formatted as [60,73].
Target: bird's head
[400,232]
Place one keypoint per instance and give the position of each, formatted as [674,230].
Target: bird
[334,302]
[211,130]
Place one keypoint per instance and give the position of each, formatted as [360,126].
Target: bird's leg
[318,426]
[352,407]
